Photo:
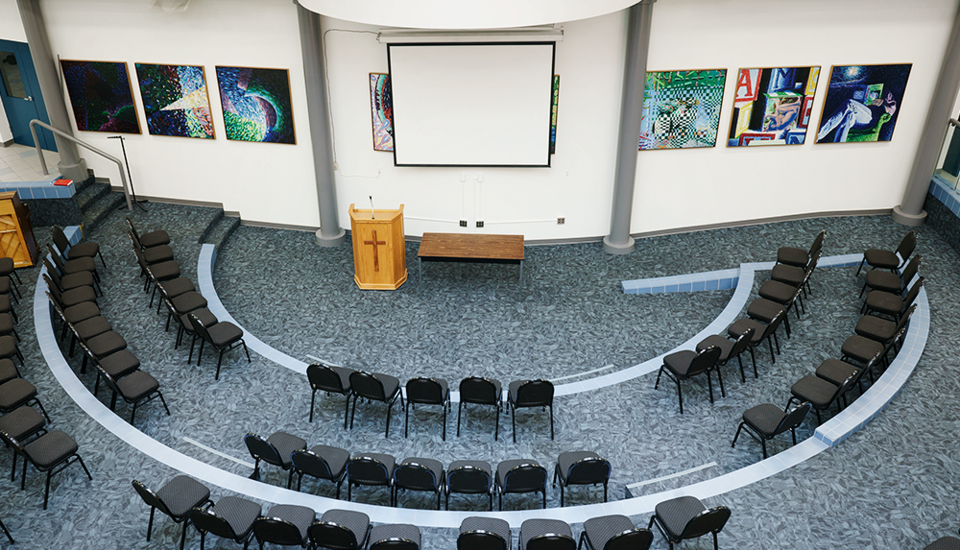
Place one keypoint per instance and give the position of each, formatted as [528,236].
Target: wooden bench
[461,247]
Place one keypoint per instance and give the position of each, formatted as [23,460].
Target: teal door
[20,94]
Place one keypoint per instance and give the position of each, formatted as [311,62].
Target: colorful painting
[101,97]
[256,104]
[863,103]
[772,106]
[175,100]
[553,113]
[381,108]
[681,109]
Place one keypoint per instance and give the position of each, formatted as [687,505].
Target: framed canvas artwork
[681,109]
[256,104]
[772,106]
[381,111]
[175,100]
[863,103]
[555,104]
[101,96]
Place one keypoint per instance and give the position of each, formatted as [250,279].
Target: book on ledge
[63,181]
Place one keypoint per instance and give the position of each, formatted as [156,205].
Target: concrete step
[219,231]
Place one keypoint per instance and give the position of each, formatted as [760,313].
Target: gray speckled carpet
[892,485]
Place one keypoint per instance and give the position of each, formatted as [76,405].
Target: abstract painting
[772,106]
[101,96]
[381,108]
[256,104]
[863,103]
[681,109]
[553,113]
[175,100]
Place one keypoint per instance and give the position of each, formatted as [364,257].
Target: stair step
[95,212]
[219,232]
[90,194]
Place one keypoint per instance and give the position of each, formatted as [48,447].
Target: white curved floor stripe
[827,435]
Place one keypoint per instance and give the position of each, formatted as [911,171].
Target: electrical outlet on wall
[479,223]
[463,223]
[561,221]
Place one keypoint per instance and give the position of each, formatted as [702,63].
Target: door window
[10,73]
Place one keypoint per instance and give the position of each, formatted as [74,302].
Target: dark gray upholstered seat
[17,392]
[231,518]
[329,379]
[418,474]
[135,388]
[798,256]
[887,281]
[68,267]
[836,371]
[370,469]
[375,387]
[893,305]
[149,239]
[888,259]
[20,424]
[8,370]
[52,452]
[7,268]
[762,330]
[521,476]
[861,349]
[223,336]
[9,348]
[767,421]
[427,391]
[322,462]
[78,295]
[92,327]
[86,249]
[481,391]
[686,517]
[818,392]
[685,364]
[546,534]
[69,282]
[119,364]
[944,543]
[470,477]
[477,533]
[7,325]
[730,349]
[276,450]
[395,536]
[107,343]
[614,532]
[340,530]
[529,394]
[284,525]
[581,468]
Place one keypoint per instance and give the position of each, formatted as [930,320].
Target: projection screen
[472,104]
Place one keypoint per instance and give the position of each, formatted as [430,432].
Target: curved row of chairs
[185,306]
[334,464]
[72,290]
[361,385]
[187,501]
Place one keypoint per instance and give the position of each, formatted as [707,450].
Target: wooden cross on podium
[376,257]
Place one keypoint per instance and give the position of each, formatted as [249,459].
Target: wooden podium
[379,255]
[16,231]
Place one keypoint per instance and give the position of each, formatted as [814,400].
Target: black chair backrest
[394,544]
[632,539]
[311,464]
[707,521]
[277,531]
[150,497]
[705,360]
[60,239]
[525,478]
[896,338]
[133,234]
[814,260]
[415,476]
[209,522]
[327,534]
[475,389]
[109,380]
[138,252]
[905,318]
[469,479]
[535,393]
[910,270]
[424,390]
[592,469]
[907,245]
[56,306]
[368,470]
[53,273]
[57,259]
[198,327]
[323,377]
[260,447]
[793,418]
[50,267]
[551,541]
[367,385]
[913,293]
[741,343]
[818,242]
[53,289]
[481,540]
[773,325]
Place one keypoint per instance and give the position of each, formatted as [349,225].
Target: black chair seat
[679,362]
[8,346]
[674,514]
[81,312]
[741,325]
[6,323]
[717,341]
[119,364]
[285,444]
[383,533]
[206,317]
[165,271]
[881,259]
[137,385]
[77,280]
[225,333]
[299,516]
[239,513]
[388,461]
[792,256]
[50,449]
[875,328]
[181,494]
[106,344]
[860,348]
[598,531]
[154,238]
[189,301]
[8,370]
[335,457]
[533,528]
[506,465]
[944,543]
[884,281]
[158,254]
[435,466]
[357,523]
[22,422]
[764,418]
[776,291]
[836,371]
[93,326]
[485,526]
[817,391]
[83,250]
[16,392]
[565,460]
[178,286]
[789,274]
[79,264]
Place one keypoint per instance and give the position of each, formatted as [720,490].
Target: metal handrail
[43,163]
[955,123]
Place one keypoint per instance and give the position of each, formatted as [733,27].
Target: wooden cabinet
[379,253]
[16,232]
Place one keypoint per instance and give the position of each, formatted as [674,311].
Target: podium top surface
[470,245]
[382,215]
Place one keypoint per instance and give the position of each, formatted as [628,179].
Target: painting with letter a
[862,103]
[101,97]
[256,104]
[772,106]
[681,109]
[381,109]
[175,100]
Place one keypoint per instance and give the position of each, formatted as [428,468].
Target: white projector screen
[471,104]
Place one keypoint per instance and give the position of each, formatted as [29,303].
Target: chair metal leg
[551,434]
[406,420]
[389,410]
[723,393]
[680,396]
[459,412]
[710,386]
[313,397]
[513,418]
[46,489]
[496,430]
[733,444]
[150,524]
[7,532]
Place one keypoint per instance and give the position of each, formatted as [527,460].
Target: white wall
[11,28]
[275,183]
[263,181]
